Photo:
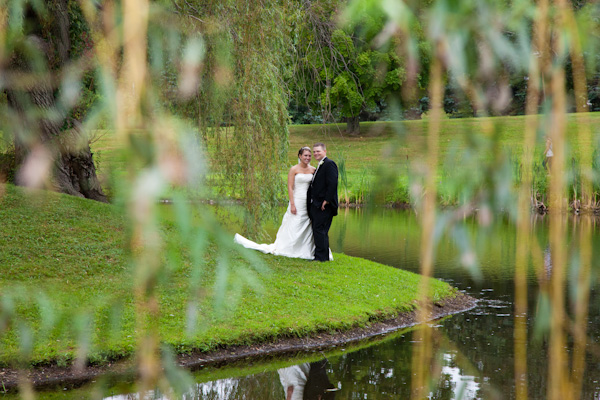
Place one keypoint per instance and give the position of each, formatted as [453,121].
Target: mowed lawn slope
[66,279]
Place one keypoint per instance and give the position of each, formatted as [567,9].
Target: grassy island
[66,279]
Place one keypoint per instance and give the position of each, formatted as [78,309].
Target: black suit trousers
[321,222]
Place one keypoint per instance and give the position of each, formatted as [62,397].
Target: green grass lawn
[410,138]
[66,278]
[385,154]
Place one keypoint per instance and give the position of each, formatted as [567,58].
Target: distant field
[394,148]
[410,137]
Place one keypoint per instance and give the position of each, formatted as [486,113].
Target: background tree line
[337,69]
[344,71]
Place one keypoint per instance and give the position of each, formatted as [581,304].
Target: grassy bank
[66,281]
[384,159]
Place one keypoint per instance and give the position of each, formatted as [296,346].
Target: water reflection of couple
[307,382]
[304,230]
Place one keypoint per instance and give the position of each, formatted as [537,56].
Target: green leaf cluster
[338,68]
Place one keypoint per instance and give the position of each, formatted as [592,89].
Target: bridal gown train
[295,237]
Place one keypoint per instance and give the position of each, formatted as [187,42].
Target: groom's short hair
[322,145]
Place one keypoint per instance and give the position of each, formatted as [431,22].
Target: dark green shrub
[8,166]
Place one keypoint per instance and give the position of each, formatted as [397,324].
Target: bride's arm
[290,185]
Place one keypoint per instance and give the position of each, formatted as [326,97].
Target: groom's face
[319,153]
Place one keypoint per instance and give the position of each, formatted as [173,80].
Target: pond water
[473,350]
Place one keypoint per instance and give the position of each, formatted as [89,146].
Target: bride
[295,237]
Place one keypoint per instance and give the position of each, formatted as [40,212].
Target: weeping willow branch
[242,102]
[558,378]
[585,232]
[524,205]
[422,349]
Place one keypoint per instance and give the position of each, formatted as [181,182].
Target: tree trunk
[352,125]
[42,119]
[76,175]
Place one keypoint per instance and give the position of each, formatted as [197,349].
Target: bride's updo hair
[301,151]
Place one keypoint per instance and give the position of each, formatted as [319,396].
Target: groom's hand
[323,205]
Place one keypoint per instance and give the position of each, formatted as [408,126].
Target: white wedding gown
[294,237]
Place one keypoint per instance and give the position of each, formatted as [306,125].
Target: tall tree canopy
[338,70]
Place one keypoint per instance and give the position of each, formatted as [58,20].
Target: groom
[322,200]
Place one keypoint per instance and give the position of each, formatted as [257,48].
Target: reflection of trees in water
[392,237]
[312,377]
[258,386]
[486,341]
[382,371]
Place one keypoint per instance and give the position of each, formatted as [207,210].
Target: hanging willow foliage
[242,107]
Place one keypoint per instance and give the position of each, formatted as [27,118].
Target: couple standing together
[304,230]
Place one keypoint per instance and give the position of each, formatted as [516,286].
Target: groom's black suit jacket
[324,187]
